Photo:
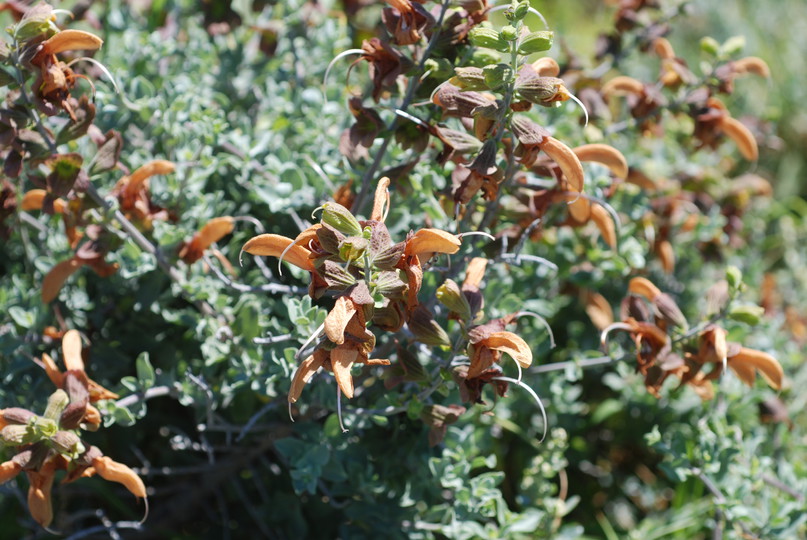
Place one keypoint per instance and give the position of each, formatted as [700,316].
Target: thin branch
[151,393]
[414,84]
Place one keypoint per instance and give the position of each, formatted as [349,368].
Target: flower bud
[426,329]
[353,248]
[483,57]
[734,277]
[17,435]
[488,38]
[709,45]
[17,415]
[536,42]
[340,218]
[509,33]
[542,90]
[469,78]
[390,284]
[747,314]
[450,295]
[668,310]
[388,258]
[521,11]
[66,442]
[497,75]
[56,404]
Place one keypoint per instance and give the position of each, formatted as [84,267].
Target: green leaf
[145,371]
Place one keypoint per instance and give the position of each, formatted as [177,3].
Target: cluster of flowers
[44,444]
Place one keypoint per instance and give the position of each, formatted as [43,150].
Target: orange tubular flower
[82,390]
[406,20]
[377,281]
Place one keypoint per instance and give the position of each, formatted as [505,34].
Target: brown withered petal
[52,371]
[604,154]
[304,372]
[15,415]
[213,231]
[33,200]
[481,359]
[39,493]
[432,241]
[381,200]
[272,245]
[475,272]
[528,132]
[57,276]
[766,364]
[666,256]
[643,287]
[112,471]
[605,224]
[567,160]
[143,173]
[342,359]
[508,342]
[751,64]
[623,84]
[70,40]
[92,418]
[579,208]
[98,392]
[742,136]
[663,49]
[71,350]
[598,309]
[337,319]
[666,308]
[8,470]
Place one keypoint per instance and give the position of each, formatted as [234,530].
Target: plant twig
[414,84]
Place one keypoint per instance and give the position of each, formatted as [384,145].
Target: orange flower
[81,389]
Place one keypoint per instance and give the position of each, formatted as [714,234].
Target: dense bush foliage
[551,259]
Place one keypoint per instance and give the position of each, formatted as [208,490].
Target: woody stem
[414,84]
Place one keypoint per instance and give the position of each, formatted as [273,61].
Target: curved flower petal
[432,241]
[566,160]
[605,155]
[71,349]
[338,318]
[508,342]
[342,360]
[304,372]
[767,365]
[272,245]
